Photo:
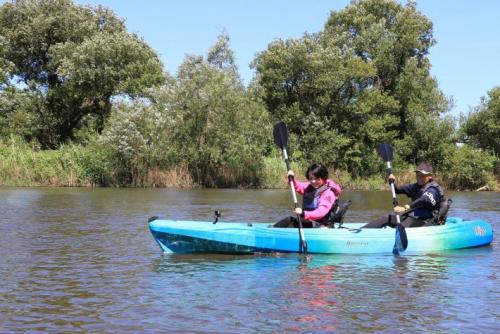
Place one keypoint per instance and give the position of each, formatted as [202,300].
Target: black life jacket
[425,213]
[310,199]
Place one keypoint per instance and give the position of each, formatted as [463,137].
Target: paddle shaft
[401,242]
[400,231]
[303,243]
[280,135]
[290,178]
[393,190]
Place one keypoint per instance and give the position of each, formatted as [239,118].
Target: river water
[83,261]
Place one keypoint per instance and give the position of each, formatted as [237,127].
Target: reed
[22,164]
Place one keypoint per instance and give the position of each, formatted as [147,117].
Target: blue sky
[465,60]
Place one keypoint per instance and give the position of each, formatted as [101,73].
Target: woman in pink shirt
[319,197]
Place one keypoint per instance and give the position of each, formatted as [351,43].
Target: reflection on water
[83,260]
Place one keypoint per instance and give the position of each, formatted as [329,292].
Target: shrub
[468,168]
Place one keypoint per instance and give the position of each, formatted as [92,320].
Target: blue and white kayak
[244,238]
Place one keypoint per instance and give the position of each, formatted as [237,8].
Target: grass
[86,166]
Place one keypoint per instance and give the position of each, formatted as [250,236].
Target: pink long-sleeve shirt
[326,199]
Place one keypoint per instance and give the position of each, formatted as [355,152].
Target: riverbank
[22,165]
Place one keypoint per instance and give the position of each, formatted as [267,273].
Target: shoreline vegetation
[86,103]
[80,166]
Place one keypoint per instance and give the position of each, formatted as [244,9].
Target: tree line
[76,86]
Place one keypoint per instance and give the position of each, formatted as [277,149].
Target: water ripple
[82,260]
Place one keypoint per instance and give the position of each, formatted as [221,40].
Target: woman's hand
[298,211]
[391,178]
[290,173]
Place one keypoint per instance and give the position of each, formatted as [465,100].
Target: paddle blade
[280,134]
[403,237]
[385,151]
[401,242]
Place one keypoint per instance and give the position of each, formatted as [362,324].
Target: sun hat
[424,168]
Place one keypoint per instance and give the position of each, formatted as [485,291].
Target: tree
[213,124]
[364,79]
[74,60]
[482,126]
[3,62]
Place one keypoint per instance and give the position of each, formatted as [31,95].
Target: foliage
[134,137]
[71,77]
[70,165]
[214,126]
[203,120]
[468,168]
[16,116]
[482,126]
[432,141]
[72,60]
[363,80]
[4,64]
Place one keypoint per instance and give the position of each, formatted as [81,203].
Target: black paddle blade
[401,242]
[404,238]
[280,134]
[385,151]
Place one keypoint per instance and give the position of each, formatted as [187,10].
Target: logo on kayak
[356,243]
[479,231]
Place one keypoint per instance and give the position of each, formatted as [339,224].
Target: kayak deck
[245,238]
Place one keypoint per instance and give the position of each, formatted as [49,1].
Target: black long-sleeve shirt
[425,199]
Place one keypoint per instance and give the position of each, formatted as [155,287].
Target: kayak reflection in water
[319,196]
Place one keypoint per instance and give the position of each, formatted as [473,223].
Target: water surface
[83,260]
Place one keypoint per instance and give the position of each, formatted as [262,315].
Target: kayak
[176,236]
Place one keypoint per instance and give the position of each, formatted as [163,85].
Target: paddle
[401,242]
[280,134]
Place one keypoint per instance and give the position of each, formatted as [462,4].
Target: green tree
[468,168]
[482,126]
[362,80]
[73,60]
[16,116]
[433,141]
[3,62]
[213,124]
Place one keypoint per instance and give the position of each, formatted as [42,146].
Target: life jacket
[425,213]
[310,198]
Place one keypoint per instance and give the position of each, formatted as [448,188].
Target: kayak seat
[440,216]
[443,211]
[338,212]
